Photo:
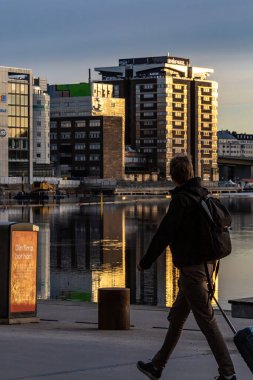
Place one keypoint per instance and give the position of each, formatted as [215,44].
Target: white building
[41,124]
[235,144]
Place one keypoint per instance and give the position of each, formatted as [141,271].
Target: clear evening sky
[61,39]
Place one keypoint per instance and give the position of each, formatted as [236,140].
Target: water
[82,248]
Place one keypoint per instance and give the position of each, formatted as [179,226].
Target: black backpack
[213,228]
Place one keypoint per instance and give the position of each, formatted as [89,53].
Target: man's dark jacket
[179,228]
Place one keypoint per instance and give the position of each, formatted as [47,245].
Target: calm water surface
[82,248]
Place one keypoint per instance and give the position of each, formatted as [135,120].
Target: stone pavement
[66,345]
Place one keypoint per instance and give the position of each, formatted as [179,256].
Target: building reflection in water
[111,271]
[82,249]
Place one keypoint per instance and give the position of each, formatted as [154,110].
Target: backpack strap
[202,203]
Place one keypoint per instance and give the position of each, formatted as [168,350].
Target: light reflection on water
[82,249]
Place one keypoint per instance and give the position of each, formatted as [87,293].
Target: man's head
[181,169]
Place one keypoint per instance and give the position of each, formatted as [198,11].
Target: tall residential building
[16,122]
[171,108]
[87,131]
[41,128]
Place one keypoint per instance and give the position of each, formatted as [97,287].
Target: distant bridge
[235,168]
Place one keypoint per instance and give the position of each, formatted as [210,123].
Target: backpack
[213,228]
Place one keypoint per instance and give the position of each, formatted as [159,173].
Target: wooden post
[114,308]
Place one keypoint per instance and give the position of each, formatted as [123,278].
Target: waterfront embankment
[67,345]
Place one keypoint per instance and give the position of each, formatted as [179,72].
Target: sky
[61,39]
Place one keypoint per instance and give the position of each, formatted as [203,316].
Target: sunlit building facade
[171,108]
[16,122]
[87,131]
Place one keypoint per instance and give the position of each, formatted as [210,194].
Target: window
[94,123]
[53,136]
[80,157]
[94,157]
[38,145]
[148,105]
[38,155]
[148,113]
[53,124]
[65,135]
[94,146]
[94,135]
[80,146]
[116,91]
[178,114]
[148,86]
[148,122]
[66,124]
[53,147]
[80,135]
[148,141]
[81,123]
[39,123]
[206,89]
[38,134]
[148,96]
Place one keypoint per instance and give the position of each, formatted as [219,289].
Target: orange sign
[23,271]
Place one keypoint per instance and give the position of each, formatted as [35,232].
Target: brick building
[87,131]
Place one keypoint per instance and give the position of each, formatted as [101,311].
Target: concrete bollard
[114,308]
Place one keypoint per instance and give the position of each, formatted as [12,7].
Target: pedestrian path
[67,345]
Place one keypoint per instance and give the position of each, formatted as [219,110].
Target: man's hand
[139,268]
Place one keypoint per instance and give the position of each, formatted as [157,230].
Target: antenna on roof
[89,77]
[168,54]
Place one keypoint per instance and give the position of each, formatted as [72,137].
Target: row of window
[18,132]
[22,122]
[18,100]
[18,155]
[82,157]
[77,135]
[80,123]
[20,88]
[18,144]
[18,111]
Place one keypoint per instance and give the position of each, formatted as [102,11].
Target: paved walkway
[66,345]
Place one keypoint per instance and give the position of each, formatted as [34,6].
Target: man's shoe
[221,377]
[149,370]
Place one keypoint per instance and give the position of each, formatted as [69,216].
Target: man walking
[179,229]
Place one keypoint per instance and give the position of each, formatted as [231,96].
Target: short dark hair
[181,169]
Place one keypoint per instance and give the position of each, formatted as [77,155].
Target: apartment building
[171,108]
[87,131]
[233,144]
